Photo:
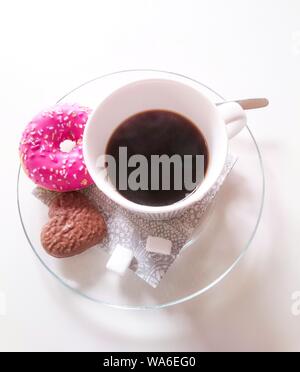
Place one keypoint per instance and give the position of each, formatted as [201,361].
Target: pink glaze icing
[41,157]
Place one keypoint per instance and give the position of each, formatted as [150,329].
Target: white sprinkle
[75,176]
[81,168]
[67,146]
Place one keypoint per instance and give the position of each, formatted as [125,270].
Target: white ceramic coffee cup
[217,123]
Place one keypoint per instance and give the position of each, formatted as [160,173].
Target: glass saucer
[214,250]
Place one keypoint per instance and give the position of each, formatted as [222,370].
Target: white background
[240,48]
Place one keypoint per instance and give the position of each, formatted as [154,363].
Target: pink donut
[40,149]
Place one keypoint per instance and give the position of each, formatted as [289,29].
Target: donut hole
[67,145]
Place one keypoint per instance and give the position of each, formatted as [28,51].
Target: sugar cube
[158,245]
[120,260]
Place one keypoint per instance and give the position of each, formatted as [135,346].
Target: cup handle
[234,116]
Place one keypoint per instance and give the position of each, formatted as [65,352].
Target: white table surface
[241,48]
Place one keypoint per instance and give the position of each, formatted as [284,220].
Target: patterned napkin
[132,231]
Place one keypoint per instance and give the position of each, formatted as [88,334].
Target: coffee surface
[157,132]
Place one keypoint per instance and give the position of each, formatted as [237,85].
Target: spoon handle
[253,103]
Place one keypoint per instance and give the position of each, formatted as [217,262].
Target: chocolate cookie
[75,225]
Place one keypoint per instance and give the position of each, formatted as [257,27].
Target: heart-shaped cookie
[75,225]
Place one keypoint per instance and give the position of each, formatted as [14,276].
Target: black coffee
[157,132]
